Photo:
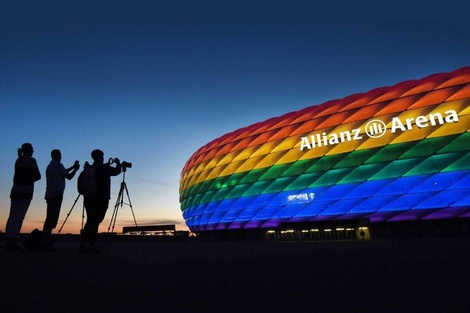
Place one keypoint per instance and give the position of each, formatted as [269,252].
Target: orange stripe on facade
[434,97]
[365,113]
[463,93]
[398,105]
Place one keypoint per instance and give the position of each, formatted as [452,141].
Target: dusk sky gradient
[150,84]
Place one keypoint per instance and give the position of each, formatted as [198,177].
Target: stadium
[394,161]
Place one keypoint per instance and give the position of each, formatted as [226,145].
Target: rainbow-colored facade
[391,154]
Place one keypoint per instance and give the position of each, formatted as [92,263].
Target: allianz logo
[377,128]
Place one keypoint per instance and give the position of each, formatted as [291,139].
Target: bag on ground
[33,241]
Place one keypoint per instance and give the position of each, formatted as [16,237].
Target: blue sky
[150,84]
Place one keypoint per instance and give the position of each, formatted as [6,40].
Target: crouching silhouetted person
[26,173]
[96,203]
[56,174]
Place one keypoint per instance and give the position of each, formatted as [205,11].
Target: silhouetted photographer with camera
[96,197]
[56,174]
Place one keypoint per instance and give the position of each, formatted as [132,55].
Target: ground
[406,275]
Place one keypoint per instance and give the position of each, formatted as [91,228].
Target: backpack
[33,241]
[86,182]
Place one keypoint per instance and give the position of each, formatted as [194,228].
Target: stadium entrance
[321,230]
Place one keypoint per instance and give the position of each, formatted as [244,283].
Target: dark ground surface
[414,275]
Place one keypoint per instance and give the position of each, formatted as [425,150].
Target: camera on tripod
[124,164]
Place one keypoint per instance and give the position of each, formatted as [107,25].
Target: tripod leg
[83,216]
[119,202]
[68,214]
[113,219]
[130,204]
[132,210]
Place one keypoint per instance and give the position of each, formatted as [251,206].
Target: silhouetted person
[56,174]
[96,204]
[26,173]
[363,234]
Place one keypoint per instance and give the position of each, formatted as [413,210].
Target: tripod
[68,214]
[120,203]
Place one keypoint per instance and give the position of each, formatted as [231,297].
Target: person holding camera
[26,174]
[96,204]
[56,174]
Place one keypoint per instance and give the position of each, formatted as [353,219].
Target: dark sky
[151,83]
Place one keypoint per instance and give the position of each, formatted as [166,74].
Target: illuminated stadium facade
[391,156]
